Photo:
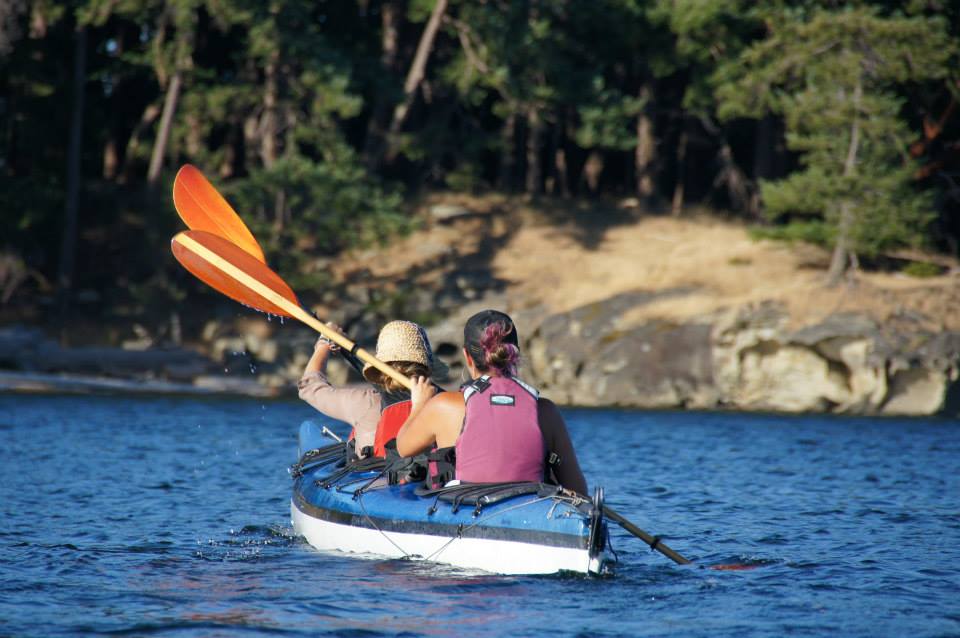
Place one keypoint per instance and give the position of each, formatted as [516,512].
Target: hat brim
[438,372]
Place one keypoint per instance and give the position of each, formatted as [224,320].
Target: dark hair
[491,339]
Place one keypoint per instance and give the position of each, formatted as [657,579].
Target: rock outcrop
[30,361]
[584,357]
[747,358]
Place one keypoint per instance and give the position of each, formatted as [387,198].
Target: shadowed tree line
[833,122]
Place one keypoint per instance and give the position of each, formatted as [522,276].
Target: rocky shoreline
[701,317]
[747,358]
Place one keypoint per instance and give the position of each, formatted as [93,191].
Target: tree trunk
[741,193]
[270,123]
[676,206]
[592,170]
[763,147]
[68,245]
[643,157]
[149,116]
[163,133]
[534,166]
[10,150]
[415,75]
[194,136]
[389,50]
[561,183]
[250,139]
[111,156]
[232,151]
[279,210]
[390,34]
[507,160]
[112,159]
[843,251]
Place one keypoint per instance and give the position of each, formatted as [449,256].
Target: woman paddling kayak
[498,427]
[376,413]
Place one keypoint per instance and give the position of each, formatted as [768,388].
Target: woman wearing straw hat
[376,413]
[499,427]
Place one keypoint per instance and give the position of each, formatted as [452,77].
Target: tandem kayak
[504,528]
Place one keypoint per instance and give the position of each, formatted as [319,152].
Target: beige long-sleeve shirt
[358,406]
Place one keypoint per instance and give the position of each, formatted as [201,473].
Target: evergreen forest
[323,120]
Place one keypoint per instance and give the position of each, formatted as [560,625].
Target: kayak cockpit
[510,528]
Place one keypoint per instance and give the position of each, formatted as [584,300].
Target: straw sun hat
[404,341]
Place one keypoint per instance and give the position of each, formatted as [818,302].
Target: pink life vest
[500,440]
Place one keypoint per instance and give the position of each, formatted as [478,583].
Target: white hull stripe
[497,556]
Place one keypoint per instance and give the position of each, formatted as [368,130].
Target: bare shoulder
[443,407]
[444,417]
[447,400]
[449,396]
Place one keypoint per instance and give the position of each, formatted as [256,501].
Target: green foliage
[302,209]
[707,34]
[282,103]
[606,119]
[832,75]
[465,179]
[809,231]
[922,270]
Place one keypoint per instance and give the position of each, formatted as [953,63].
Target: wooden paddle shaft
[293,309]
[652,541]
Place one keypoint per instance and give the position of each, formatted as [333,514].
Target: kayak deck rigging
[500,527]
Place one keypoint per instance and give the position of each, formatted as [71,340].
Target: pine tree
[832,74]
[304,188]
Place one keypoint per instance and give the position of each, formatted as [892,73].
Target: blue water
[169,517]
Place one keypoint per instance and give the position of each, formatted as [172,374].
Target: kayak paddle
[656,544]
[202,207]
[653,541]
[239,275]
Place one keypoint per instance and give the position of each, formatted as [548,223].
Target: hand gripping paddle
[242,277]
[222,252]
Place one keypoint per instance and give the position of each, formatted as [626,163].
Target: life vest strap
[477,386]
[442,464]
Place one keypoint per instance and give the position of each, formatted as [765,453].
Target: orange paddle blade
[234,272]
[201,207]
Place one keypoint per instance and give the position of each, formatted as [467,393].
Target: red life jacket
[391,420]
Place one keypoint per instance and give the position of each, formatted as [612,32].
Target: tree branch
[418,67]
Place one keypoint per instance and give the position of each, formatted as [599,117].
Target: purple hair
[498,353]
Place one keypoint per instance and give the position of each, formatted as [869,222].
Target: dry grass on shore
[559,256]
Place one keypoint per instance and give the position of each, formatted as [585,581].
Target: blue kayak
[504,528]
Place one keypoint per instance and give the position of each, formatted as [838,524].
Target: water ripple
[168,516]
